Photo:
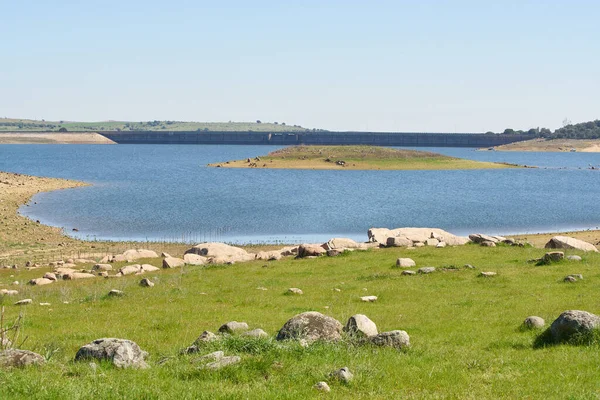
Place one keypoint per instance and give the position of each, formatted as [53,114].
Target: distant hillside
[583,130]
[28,125]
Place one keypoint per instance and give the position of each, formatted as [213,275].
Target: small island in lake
[357,158]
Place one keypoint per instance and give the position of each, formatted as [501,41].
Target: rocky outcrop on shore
[407,237]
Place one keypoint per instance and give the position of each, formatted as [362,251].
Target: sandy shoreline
[22,237]
[53,138]
[553,145]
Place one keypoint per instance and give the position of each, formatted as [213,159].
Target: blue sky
[462,66]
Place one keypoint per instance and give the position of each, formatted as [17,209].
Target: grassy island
[357,158]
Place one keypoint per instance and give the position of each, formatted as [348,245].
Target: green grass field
[466,340]
[27,125]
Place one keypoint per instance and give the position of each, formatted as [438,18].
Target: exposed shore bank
[53,138]
[553,145]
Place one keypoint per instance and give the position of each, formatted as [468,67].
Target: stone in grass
[573,258]
[408,272]
[487,274]
[233,327]
[553,256]
[405,263]
[397,339]
[115,293]
[571,323]
[23,302]
[122,353]
[469,266]
[256,333]
[360,326]
[369,299]
[146,282]
[214,356]
[342,375]
[311,326]
[19,358]
[322,387]
[426,270]
[573,278]
[172,262]
[534,322]
[205,337]
[294,291]
[223,362]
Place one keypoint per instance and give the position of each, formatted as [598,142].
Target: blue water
[166,192]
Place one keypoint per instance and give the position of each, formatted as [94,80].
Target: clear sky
[465,66]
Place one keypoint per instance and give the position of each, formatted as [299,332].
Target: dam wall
[315,138]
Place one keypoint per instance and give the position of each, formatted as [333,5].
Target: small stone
[122,353]
[214,356]
[146,283]
[397,339]
[116,293]
[342,374]
[223,362]
[441,245]
[469,266]
[369,299]
[20,358]
[23,302]
[408,272]
[487,274]
[570,278]
[44,304]
[322,386]
[256,333]
[261,288]
[359,325]
[488,243]
[337,290]
[553,256]
[233,327]
[426,270]
[573,258]
[295,291]
[534,322]
[405,263]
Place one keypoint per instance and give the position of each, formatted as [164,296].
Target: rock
[223,362]
[40,281]
[487,274]
[342,243]
[573,278]
[573,322]
[19,358]
[78,275]
[50,275]
[45,304]
[102,267]
[408,272]
[469,266]
[564,242]
[215,355]
[8,292]
[294,290]
[431,242]
[136,254]
[335,252]
[441,245]
[369,299]
[269,255]
[405,263]
[480,238]
[416,235]
[233,327]
[398,241]
[115,293]
[573,258]
[194,259]
[360,326]
[206,337]
[172,262]
[146,283]
[83,261]
[311,326]
[289,251]
[553,256]
[487,243]
[165,255]
[534,322]
[419,244]
[306,250]
[221,251]
[342,375]
[256,333]
[148,268]
[322,387]
[103,274]
[121,352]
[130,269]
[23,302]
[426,270]
[397,339]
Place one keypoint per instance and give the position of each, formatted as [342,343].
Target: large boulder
[40,281]
[78,275]
[172,262]
[360,326]
[130,269]
[399,241]
[311,326]
[221,251]
[194,259]
[272,255]
[480,238]
[416,235]
[571,323]
[342,243]
[102,267]
[20,358]
[396,339]
[233,327]
[122,353]
[405,263]
[134,254]
[565,242]
[310,250]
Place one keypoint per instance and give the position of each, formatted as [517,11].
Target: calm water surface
[166,192]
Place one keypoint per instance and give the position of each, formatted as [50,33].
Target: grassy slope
[464,330]
[358,158]
[553,145]
[12,125]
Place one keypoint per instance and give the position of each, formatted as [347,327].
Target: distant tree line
[583,130]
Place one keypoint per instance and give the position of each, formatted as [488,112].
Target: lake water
[166,192]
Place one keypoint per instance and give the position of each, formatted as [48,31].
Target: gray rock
[398,241]
[295,291]
[19,358]
[553,256]
[194,259]
[441,245]
[397,339]
[534,322]
[335,252]
[408,272]
[206,337]
[573,258]
[306,250]
[214,356]
[369,299]
[573,278]
[360,326]
[146,282]
[431,242]
[40,281]
[233,327]
[130,269]
[23,302]
[480,238]
[223,362]
[102,267]
[487,274]
[565,242]
[573,322]
[405,263]
[115,293]
[311,326]
[426,270]
[322,387]
[50,275]
[172,262]
[222,253]
[342,375]
[121,352]
[469,266]
[256,333]
[487,243]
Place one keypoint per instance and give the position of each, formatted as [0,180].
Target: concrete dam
[408,139]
